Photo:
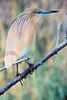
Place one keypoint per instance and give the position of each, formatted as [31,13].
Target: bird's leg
[17,74]
[30,66]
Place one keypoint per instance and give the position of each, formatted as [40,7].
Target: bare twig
[1,69]
[58,33]
[66,29]
[17,62]
[34,66]
[21,60]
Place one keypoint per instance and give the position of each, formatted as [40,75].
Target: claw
[20,78]
[28,63]
[31,70]
[30,66]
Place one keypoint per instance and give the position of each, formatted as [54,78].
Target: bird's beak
[47,11]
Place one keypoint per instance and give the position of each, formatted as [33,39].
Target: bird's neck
[35,22]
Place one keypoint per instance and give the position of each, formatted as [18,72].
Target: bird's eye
[39,12]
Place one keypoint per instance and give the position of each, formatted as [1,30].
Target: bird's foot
[20,78]
[30,66]
[31,69]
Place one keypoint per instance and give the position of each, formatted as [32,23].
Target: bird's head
[32,12]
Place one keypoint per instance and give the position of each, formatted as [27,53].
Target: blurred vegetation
[49,81]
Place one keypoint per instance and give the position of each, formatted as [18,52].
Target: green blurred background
[49,81]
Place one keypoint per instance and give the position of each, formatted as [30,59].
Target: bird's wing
[20,21]
[18,43]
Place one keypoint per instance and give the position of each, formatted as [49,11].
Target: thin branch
[21,60]
[66,30]
[34,66]
[58,33]
[17,62]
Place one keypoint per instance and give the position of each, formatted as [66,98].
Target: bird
[21,35]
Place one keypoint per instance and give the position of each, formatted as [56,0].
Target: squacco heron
[22,33]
